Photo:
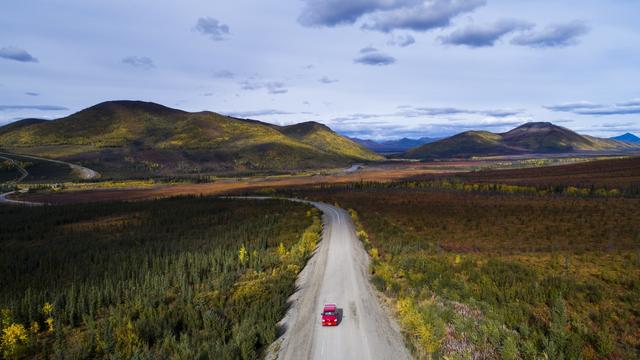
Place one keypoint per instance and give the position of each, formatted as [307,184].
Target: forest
[486,275]
[180,278]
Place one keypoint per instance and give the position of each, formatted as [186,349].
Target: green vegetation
[490,275]
[8,171]
[128,138]
[528,138]
[181,278]
[38,170]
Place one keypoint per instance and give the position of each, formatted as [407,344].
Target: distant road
[80,171]
[5,200]
[354,168]
[338,273]
[23,172]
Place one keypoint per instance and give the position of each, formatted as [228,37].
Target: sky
[378,69]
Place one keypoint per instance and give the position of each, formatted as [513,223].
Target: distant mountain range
[393,146]
[140,138]
[534,137]
[628,137]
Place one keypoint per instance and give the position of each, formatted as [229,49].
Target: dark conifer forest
[181,278]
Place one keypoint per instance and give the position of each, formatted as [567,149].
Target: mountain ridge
[532,137]
[393,146]
[629,137]
[152,137]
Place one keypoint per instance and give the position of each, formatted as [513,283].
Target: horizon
[378,140]
[367,70]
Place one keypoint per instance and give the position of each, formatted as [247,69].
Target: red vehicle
[329,315]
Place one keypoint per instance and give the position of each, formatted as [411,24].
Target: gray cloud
[610,111]
[29,93]
[558,35]
[368,49]
[272,87]
[276,87]
[141,62]
[33,107]
[371,56]
[16,54]
[572,107]
[424,16]
[587,108]
[327,80]
[443,129]
[408,111]
[266,112]
[439,111]
[224,74]
[484,35]
[339,12]
[401,40]
[635,102]
[212,28]
[386,15]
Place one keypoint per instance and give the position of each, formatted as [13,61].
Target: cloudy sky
[369,68]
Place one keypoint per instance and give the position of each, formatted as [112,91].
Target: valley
[509,248]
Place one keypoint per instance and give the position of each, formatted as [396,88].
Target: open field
[177,278]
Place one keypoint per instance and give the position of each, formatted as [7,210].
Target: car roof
[330,306]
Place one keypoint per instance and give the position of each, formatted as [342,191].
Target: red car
[329,315]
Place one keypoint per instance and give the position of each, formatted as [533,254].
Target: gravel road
[338,273]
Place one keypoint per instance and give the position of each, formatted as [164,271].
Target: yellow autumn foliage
[14,341]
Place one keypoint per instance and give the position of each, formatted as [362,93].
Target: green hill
[534,137]
[137,137]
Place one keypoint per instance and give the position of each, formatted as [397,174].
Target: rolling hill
[141,138]
[530,138]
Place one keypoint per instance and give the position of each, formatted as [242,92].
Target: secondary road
[23,172]
[338,273]
[80,171]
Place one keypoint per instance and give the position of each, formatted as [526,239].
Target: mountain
[628,137]
[393,146]
[16,125]
[534,137]
[134,137]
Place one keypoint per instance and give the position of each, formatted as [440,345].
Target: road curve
[5,200]
[338,273]
[80,171]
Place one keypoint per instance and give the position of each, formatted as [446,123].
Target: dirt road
[338,273]
[81,172]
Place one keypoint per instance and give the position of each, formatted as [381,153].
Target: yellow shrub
[127,340]
[374,253]
[242,254]
[417,329]
[14,341]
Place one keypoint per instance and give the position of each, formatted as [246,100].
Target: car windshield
[329,313]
